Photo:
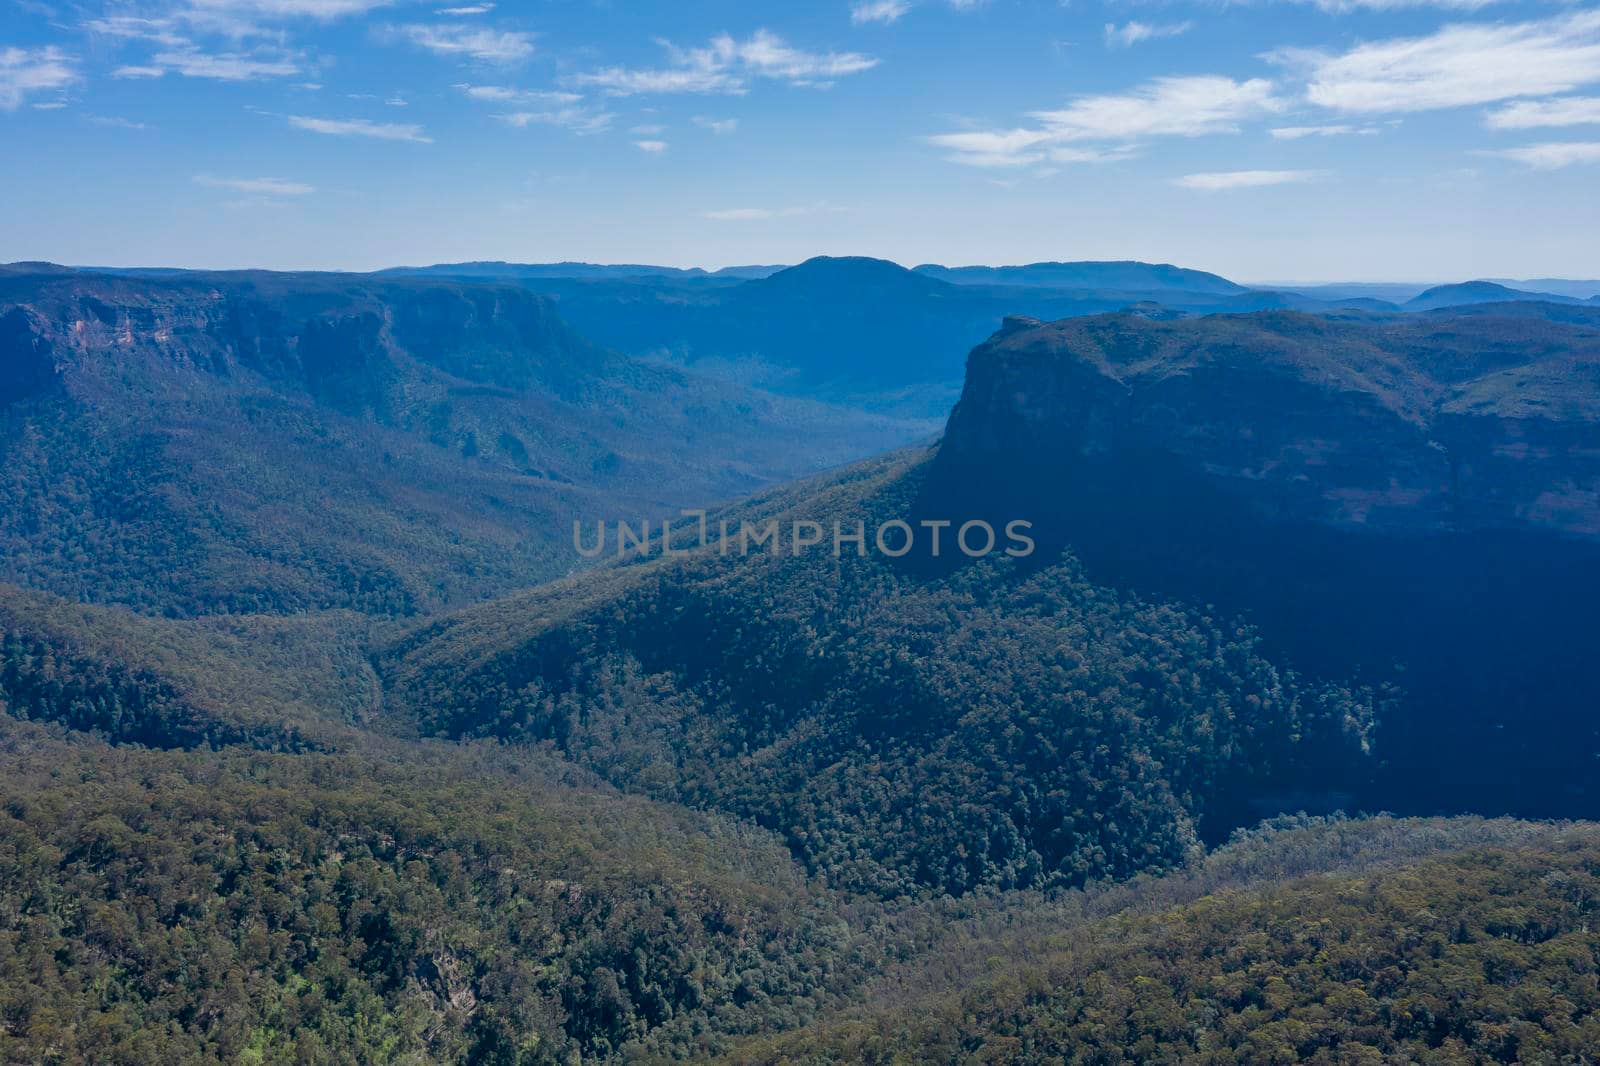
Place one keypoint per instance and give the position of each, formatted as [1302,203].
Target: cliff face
[342,340]
[1414,500]
[1378,425]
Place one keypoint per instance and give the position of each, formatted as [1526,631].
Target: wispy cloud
[727,65]
[360,127]
[226,66]
[538,107]
[878,11]
[32,70]
[1533,114]
[314,9]
[578,119]
[116,122]
[1295,133]
[505,94]
[1134,31]
[1219,181]
[1475,63]
[719,126]
[1553,156]
[256,186]
[472,42]
[462,12]
[1344,7]
[762,214]
[1166,107]
[651,147]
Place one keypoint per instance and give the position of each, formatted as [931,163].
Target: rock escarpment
[1418,425]
[1416,499]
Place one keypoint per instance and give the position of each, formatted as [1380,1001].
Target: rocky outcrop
[27,365]
[1417,425]
[1414,500]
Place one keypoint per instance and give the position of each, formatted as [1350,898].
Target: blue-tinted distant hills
[1479,292]
[497,269]
[1124,275]
[1583,290]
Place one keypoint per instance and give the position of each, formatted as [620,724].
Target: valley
[321,740]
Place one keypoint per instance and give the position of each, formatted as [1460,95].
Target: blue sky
[1341,139]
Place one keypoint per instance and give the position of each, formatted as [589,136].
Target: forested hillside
[1368,942]
[302,762]
[249,443]
[1007,725]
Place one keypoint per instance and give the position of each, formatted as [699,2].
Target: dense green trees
[1483,953]
[999,726]
[457,904]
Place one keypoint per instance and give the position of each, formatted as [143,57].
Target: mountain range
[321,740]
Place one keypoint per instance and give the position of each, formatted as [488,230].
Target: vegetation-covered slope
[1004,725]
[1374,942]
[265,443]
[445,905]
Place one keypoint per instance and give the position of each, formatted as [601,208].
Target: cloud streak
[1534,114]
[24,71]
[1165,107]
[1460,65]
[727,65]
[256,186]
[360,127]
[471,42]
[1134,31]
[1553,156]
[884,11]
[1221,181]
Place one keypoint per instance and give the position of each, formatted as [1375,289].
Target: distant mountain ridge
[1125,275]
[500,269]
[1478,292]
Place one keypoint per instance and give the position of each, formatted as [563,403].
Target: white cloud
[504,94]
[741,214]
[491,46]
[1344,7]
[115,122]
[1295,133]
[130,27]
[256,186]
[1533,114]
[761,214]
[878,10]
[726,65]
[1165,107]
[719,126]
[1182,107]
[360,127]
[539,107]
[1476,63]
[32,70]
[227,66]
[578,119]
[461,12]
[315,9]
[1135,31]
[652,147]
[1243,179]
[1553,156]
[139,72]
